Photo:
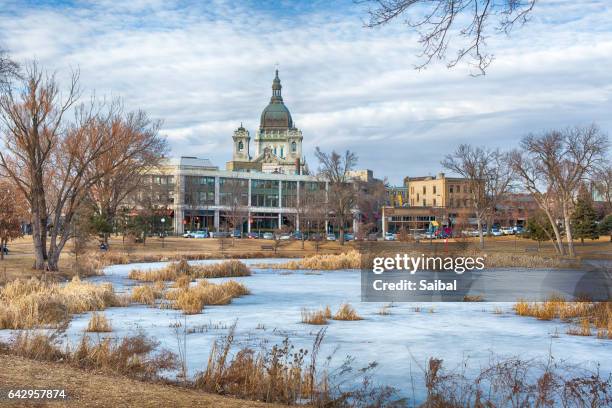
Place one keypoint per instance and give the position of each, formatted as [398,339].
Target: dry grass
[89,389]
[178,270]
[135,357]
[473,298]
[279,374]
[317,317]
[26,304]
[597,314]
[191,300]
[99,324]
[347,312]
[345,260]
[146,294]
[182,282]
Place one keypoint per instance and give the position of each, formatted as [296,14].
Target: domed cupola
[276,116]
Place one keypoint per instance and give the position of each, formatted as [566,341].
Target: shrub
[98,324]
[177,270]
[145,294]
[347,312]
[191,300]
[135,356]
[316,316]
[345,260]
[33,303]
[227,269]
[598,314]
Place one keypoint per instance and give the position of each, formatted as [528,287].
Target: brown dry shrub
[98,324]
[191,300]
[347,312]
[145,294]
[32,303]
[317,317]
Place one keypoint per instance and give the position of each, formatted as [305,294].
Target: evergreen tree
[605,227]
[538,228]
[584,219]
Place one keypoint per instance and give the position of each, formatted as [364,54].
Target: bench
[532,249]
[267,247]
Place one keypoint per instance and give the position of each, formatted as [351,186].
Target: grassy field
[19,261]
[91,389]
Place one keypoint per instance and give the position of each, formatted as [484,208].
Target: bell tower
[241,144]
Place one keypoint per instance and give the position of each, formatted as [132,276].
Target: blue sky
[205,67]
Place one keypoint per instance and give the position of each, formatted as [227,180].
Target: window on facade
[233,191]
[282,153]
[264,193]
[450,189]
[293,147]
[289,194]
[424,190]
[434,201]
[424,202]
[434,190]
[240,146]
[450,202]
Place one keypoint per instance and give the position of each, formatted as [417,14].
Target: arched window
[293,147]
[240,146]
[281,155]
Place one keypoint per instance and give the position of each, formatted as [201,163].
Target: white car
[268,235]
[200,234]
[507,230]
[390,237]
[188,234]
[331,237]
[285,237]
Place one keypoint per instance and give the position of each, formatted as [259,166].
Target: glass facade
[289,194]
[264,193]
[199,191]
[233,191]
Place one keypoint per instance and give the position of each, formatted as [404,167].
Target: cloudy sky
[205,67]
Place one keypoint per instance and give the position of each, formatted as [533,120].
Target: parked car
[219,234]
[349,237]
[298,235]
[390,237]
[284,237]
[236,234]
[372,237]
[315,237]
[200,234]
[330,237]
[188,234]
[268,235]
[508,230]
[496,232]
[518,230]
[252,235]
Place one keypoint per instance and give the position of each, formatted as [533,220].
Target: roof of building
[191,161]
[276,115]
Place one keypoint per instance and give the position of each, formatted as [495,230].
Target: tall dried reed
[31,303]
[98,324]
[191,300]
[176,270]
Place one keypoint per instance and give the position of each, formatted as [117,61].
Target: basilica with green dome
[277,143]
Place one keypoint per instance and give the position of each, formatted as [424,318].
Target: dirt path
[88,389]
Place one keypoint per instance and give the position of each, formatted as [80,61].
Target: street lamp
[163,220]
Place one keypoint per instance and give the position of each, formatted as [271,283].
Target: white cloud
[205,69]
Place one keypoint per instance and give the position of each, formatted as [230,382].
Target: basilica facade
[277,145]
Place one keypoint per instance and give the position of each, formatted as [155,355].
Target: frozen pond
[399,342]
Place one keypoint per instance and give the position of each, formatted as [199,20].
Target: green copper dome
[276,115]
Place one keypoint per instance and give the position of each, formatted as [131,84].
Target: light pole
[163,220]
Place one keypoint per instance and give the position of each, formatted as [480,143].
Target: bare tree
[136,149]
[50,158]
[561,161]
[342,194]
[9,69]
[12,213]
[234,196]
[371,197]
[442,22]
[602,182]
[489,177]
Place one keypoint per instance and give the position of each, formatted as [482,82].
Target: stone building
[277,143]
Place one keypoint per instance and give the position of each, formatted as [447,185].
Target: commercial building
[194,194]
